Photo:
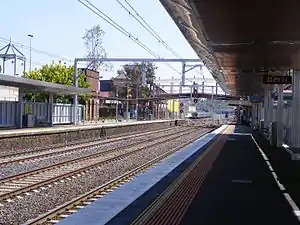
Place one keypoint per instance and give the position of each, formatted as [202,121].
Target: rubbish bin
[28,121]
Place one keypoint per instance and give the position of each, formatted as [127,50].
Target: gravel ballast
[32,205]
[20,167]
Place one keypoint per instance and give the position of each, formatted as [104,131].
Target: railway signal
[195,93]
[181,108]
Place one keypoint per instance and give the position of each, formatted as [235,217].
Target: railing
[61,113]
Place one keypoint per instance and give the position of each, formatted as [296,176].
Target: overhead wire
[60,58]
[110,21]
[33,62]
[150,30]
[154,33]
[35,50]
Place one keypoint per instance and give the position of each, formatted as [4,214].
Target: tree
[133,73]
[93,41]
[56,73]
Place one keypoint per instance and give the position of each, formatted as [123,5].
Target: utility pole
[137,101]
[127,102]
[117,108]
[30,37]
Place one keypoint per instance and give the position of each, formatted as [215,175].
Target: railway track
[40,154]
[16,185]
[102,136]
[169,207]
[55,215]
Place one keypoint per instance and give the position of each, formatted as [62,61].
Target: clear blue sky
[59,25]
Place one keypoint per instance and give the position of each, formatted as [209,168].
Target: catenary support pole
[279,116]
[295,129]
[75,97]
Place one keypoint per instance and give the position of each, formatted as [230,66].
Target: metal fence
[61,113]
[8,114]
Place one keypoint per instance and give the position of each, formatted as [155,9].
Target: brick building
[92,106]
[97,107]
[93,79]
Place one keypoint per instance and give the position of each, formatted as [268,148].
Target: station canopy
[240,41]
[41,86]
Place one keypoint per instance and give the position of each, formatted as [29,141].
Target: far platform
[67,128]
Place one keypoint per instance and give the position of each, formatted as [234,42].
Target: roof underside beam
[186,18]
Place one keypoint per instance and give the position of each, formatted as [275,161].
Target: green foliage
[56,73]
[133,78]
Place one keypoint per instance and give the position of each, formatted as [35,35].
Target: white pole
[30,37]
[30,57]
[117,95]
[127,105]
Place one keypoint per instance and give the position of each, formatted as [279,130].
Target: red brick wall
[92,78]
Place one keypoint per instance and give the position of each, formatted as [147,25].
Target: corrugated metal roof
[42,86]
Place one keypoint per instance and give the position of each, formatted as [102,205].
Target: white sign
[192,108]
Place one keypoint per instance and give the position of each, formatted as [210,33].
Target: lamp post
[30,37]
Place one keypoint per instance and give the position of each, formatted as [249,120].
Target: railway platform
[65,128]
[34,138]
[242,187]
[225,177]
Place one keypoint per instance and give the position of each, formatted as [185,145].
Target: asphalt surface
[240,189]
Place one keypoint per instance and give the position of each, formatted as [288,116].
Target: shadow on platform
[240,189]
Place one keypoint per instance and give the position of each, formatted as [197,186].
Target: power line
[33,62]
[110,21]
[34,49]
[117,26]
[149,28]
[37,63]
[152,32]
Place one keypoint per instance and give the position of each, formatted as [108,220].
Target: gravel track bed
[55,146]
[58,149]
[30,206]
[90,162]
[15,168]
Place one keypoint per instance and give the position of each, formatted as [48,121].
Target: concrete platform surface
[66,128]
[240,189]
[105,209]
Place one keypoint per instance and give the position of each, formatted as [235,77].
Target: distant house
[106,88]
[100,88]
[97,107]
